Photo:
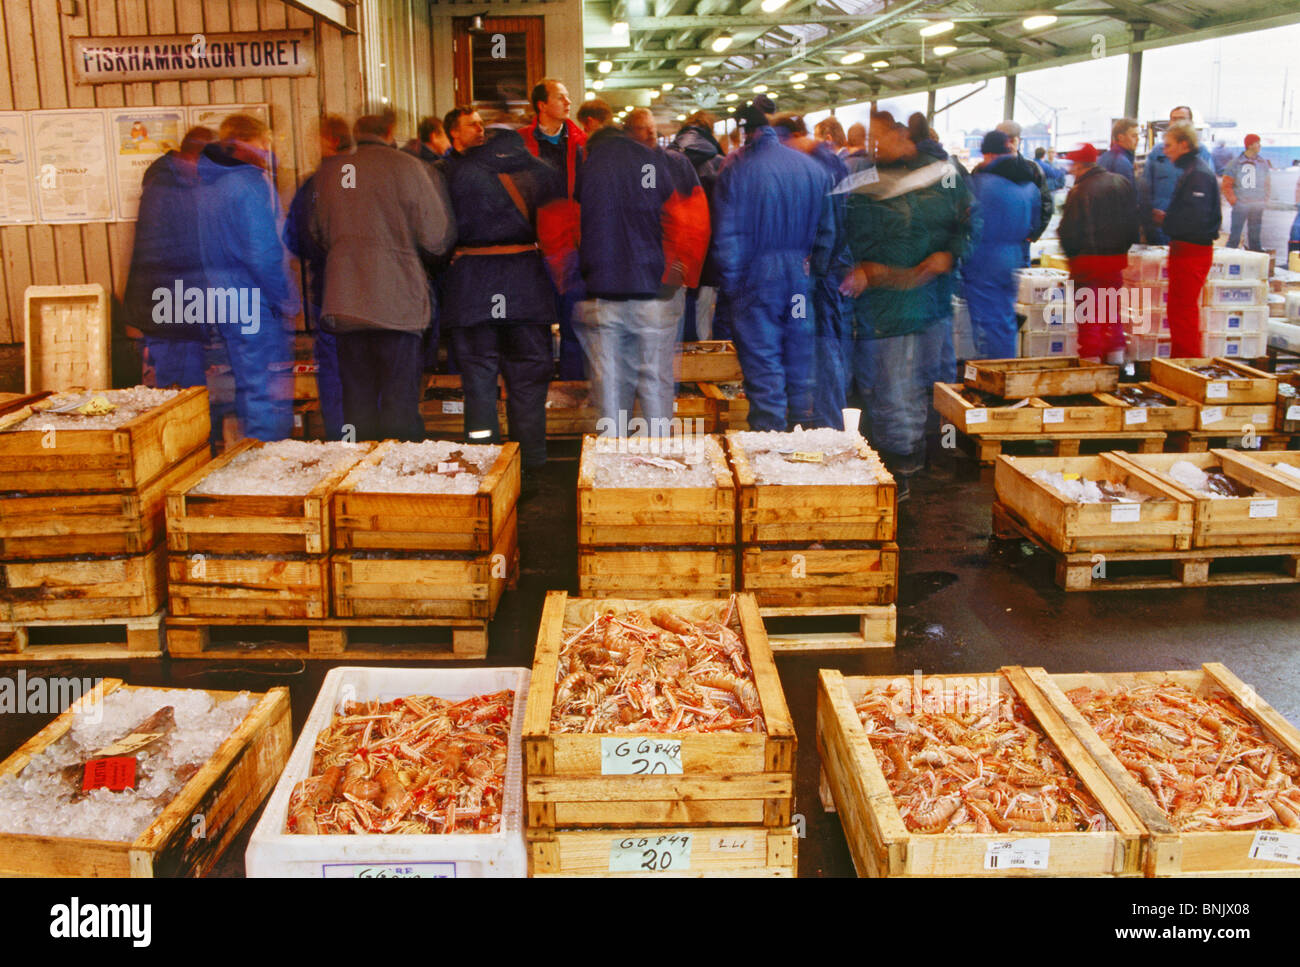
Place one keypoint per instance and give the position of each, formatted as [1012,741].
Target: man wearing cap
[1046,205]
[1159,176]
[1246,183]
[1098,226]
[1191,223]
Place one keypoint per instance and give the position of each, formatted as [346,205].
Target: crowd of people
[831,258]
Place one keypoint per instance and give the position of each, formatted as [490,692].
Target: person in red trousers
[1192,222]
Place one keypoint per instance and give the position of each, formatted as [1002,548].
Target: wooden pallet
[331,639]
[988,447]
[736,851]
[877,628]
[1189,568]
[1200,441]
[123,638]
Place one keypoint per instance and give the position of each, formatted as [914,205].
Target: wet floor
[965,606]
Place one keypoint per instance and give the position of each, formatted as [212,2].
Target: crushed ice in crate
[286,467]
[45,798]
[1212,483]
[429,467]
[1084,491]
[654,462]
[818,457]
[127,405]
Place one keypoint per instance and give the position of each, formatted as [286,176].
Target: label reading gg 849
[640,756]
[650,854]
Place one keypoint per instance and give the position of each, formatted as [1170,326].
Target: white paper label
[1216,391]
[970,372]
[642,756]
[651,854]
[1293,412]
[977,415]
[1260,418]
[1211,414]
[388,871]
[1278,847]
[1137,414]
[1125,513]
[1017,854]
[1263,508]
[1054,414]
[448,467]
[453,406]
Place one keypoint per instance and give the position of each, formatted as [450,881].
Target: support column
[1009,98]
[1133,89]
[929,105]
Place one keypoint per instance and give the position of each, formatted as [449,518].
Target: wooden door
[499,64]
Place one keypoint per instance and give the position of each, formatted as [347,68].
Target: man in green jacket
[907,229]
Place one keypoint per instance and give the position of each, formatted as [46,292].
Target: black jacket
[1100,216]
[1194,213]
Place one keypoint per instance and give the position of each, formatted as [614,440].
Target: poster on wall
[16,207]
[70,166]
[137,137]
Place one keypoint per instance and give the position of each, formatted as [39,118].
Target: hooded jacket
[559,221]
[166,246]
[1100,216]
[1194,214]
[1008,199]
[701,148]
[1022,170]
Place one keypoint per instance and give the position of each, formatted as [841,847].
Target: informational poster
[211,115]
[137,137]
[70,166]
[16,204]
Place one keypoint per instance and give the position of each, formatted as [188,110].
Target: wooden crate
[727,779]
[445,418]
[693,404]
[430,585]
[365,521]
[567,420]
[73,525]
[877,627]
[771,513]
[1273,519]
[66,337]
[623,572]
[708,361]
[114,639]
[975,420]
[240,523]
[1014,379]
[1288,407]
[732,411]
[328,639]
[854,785]
[636,516]
[748,851]
[9,402]
[1180,415]
[1234,419]
[1170,852]
[127,458]
[1253,386]
[1269,460]
[128,586]
[1084,413]
[1069,527]
[217,586]
[220,798]
[817,576]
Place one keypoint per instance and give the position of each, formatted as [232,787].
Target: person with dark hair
[380,218]
[775,228]
[1009,209]
[464,129]
[1054,176]
[696,142]
[593,115]
[335,138]
[1191,222]
[1159,176]
[1119,158]
[1247,181]
[1031,171]
[430,144]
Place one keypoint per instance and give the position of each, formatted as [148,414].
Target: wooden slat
[161,16]
[330,51]
[216,20]
[71,259]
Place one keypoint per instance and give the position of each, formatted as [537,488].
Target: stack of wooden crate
[81,524]
[714,369]
[697,803]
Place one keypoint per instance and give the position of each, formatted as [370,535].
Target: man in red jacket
[559,142]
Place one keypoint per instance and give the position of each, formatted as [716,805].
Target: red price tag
[116,773]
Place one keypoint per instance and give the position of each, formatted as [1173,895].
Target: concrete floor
[965,606]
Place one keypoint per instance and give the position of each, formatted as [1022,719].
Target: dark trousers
[381,373]
[521,352]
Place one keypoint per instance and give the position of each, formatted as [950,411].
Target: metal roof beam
[1142,12]
[792,16]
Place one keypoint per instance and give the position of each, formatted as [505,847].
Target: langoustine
[1203,760]
[655,671]
[978,768]
[414,765]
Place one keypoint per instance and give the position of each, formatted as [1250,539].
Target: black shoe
[903,489]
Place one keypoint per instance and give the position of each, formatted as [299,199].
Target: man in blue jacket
[1159,176]
[1053,175]
[1118,158]
[775,233]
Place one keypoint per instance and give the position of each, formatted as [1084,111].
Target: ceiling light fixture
[800,87]
[832,77]
[934,30]
[772,6]
[857,57]
[797,78]
[667,85]
[681,117]
[597,85]
[880,64]
[721,43]
[1037,23]
[693,69]
[944,50]
[605,66]
[760,88]
[733,97]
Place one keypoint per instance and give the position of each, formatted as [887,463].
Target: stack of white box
[1146,281]
[1234,304]
[1049,329]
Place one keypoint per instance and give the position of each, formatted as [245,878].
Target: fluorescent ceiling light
[857,57]
[1037,23]
[731,110]
[681,117]
[801,76]
[733,97]
[605,66]
[800,87]
[832,77]
[760,88]
[944,50]
[586,95]
[619,27]
[880,64]
[934,30]
[772,6]
[693,69]
[721,43]
[667,85]
[654,94]
[597,85]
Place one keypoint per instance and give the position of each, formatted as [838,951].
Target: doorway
[499,63]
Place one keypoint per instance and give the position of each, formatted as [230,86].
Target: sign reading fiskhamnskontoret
[112,60]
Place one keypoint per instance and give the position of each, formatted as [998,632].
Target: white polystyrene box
[1148,263]
[1035,344]
[1224,293]
[1233,345]
[1037,286]
[1292,306]
[1239,265]
[273,852]
[1242,321]
[1046,317]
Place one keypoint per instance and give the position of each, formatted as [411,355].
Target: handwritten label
[1293,412]
[1277,847]
[977,415]
[1211,414]
[729,844]
[800,456]
[453,406]
[116,773]
[640,757]
[1125,513]
[388,871]
[1216,391]
[971,373]
[1017,854]
[1137,414]
[131,744]
[1054,414]
[654,854]
[1263,508]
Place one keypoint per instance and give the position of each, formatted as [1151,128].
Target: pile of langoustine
[1201,757]
[655,671]
[981,768]
[414,765]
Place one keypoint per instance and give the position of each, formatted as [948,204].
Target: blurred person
[906,229]
[774,233]
[244,260]
[1046,204]
[1159,176]
[379,222]
[1247,181]
[1054,176]
[1221,157]
[855,141]
[830,131]
[1119,157]
[695,140]
[1191,221]
[1098,227]
[430,143]
[594,115]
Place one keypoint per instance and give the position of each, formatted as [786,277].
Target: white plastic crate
[1233,345]
[1048,317]
[273,852]
[1143,345]
[1223,293]
[1147,319]
[1293,306]
[1036,286]
[1036,344]
[1247,319]
[1148,263]
[1237,265]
